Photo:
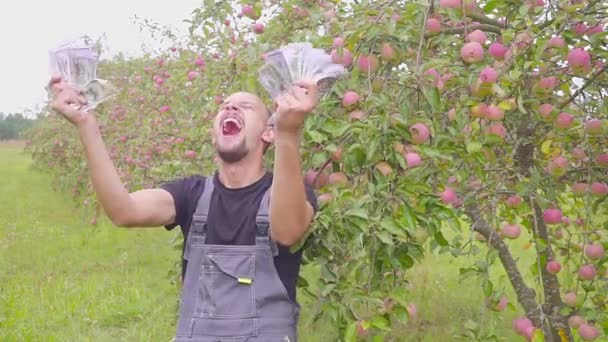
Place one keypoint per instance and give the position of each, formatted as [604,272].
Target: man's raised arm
[290,211]
[143,208]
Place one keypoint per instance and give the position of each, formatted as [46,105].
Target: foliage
[12,126]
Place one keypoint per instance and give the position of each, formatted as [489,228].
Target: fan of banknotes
[297,62]
[76,62]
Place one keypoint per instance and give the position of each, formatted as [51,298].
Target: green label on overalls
[245,281]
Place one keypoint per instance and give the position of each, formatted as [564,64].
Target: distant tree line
[12,126]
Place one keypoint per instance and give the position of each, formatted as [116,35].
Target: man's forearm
[288,203]
[110,190]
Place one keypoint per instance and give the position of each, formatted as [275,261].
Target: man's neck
[240,174]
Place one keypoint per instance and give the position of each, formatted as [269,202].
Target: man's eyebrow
[245,102]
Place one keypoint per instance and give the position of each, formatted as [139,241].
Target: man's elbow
[287,240]
[289,237]
[121,221]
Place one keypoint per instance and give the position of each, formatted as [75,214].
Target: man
[239,277]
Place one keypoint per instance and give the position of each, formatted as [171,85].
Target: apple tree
[461,127]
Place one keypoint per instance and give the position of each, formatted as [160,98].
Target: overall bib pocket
[226,287]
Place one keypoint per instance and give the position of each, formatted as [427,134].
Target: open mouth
[231,126]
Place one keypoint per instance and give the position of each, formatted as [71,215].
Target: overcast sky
[28,29]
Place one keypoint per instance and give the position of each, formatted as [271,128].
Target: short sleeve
[176,189]
[312,197]
[182,190]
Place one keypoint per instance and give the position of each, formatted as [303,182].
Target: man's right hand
[67,101]
[142,208]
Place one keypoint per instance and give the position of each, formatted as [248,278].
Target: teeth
[236,122]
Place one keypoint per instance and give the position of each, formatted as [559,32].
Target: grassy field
[64,280]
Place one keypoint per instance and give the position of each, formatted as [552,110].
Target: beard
[234,154]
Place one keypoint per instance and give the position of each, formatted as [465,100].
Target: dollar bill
[96,92]
[272,80]
[299,61]
[277,58]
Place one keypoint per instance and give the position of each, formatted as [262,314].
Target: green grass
[62,279]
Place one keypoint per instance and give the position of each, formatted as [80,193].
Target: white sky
[28,29]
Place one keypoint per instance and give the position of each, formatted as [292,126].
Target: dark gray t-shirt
[231,218]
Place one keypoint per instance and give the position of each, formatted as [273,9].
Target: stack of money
[298,62]
[76,62]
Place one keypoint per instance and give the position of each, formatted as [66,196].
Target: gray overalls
[233,293]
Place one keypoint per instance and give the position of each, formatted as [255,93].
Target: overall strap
[262,221]
[199,219]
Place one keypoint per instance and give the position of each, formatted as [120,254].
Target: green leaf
[400,295]
[498,90]
[327,275]
[391,226]
[432,96]
[474,146]
[379,322]
[328,289]
[350,334]
[471,325]
[378,338]
[335,129]
[357,212]
[400,314]
[405,260]
[316,136]
[487,287]
[371,149]
[441,240]
[538,336]
[409,216]
[385,237]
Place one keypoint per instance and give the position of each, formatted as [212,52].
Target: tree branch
[525,294]
[485,20]
[558,324]
[581,89]
[457,30]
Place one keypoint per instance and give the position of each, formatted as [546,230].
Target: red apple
[579,189]
[337,178]
[570,298]
[368,63]
[258,28]
[576,321]
[477,36]
[413,159]
[553,267]
[514,201]
[552,216]
[594,127]
[594,251]
[511,231]
[433,25]
[599,189]
[579,60]
[497,50]
[471,52]
[488,75]
[350,98]
[588,332]
[420,133]
[586,272]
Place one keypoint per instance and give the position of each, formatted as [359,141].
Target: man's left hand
[293,107]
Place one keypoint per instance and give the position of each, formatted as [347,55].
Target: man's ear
[268,135]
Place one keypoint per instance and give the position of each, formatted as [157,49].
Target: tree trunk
[555,326]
